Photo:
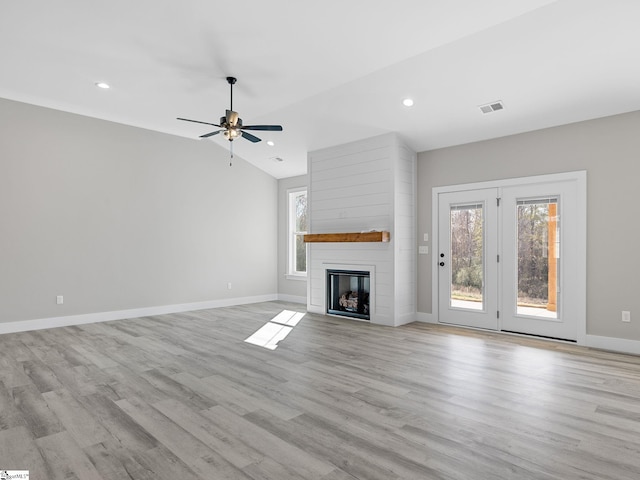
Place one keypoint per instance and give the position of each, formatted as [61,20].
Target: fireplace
[348,293]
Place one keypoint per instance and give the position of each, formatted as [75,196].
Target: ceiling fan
[231,124]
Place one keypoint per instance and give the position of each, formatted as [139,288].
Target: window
[297,228]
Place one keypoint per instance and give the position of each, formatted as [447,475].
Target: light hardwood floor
[183,396]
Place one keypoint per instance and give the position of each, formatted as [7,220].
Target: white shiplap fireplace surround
[357,187]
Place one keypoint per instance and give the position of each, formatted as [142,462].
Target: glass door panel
[467,257]
[538,252]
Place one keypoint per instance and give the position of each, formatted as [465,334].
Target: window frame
[292,233]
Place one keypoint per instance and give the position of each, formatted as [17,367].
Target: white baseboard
[292,298]
[405,319]
[621,345]
[426,317]
[315,309]
[53,322]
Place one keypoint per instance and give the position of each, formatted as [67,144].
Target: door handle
[442,255]
[442,264]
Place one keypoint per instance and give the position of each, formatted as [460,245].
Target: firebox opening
[348,293]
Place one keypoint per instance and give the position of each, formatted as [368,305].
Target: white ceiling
[329,71]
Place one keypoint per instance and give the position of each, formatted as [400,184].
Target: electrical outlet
[59,300]
[229,286]
[626,316]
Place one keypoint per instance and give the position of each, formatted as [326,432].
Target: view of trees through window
[298,228]
[467,253]
[537,253]
[538,247]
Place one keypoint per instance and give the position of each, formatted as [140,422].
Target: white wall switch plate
[426,237]
[626,316]
[423,249]
[59,300]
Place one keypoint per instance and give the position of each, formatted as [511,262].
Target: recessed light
[102,85]
[270,143]
[407,102]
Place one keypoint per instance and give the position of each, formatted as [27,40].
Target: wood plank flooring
[183,396]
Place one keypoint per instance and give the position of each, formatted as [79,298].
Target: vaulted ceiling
[329,72]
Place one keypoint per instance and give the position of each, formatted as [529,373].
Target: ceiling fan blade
[271,128]
[251,138]
[198,121]
[211,134]
[232,118]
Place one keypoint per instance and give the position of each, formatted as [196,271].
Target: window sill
[299,278]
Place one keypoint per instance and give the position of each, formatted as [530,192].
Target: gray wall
[286,287]
[115,217]
[609,150]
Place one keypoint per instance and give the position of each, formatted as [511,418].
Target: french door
[541,264]
[467,258]
[511,258]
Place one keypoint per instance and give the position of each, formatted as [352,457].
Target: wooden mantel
[348,237]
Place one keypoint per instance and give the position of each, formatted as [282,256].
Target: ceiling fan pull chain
[231,151]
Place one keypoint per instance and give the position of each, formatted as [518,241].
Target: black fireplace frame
[364,308]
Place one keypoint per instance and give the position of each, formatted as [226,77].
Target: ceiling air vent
[492,107]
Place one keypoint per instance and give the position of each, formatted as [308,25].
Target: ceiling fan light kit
[231,124]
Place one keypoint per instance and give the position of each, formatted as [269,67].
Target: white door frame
[580,177]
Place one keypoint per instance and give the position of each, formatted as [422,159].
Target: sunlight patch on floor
[287,317]
[275,330]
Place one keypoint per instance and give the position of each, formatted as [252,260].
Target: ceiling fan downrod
[231,81]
